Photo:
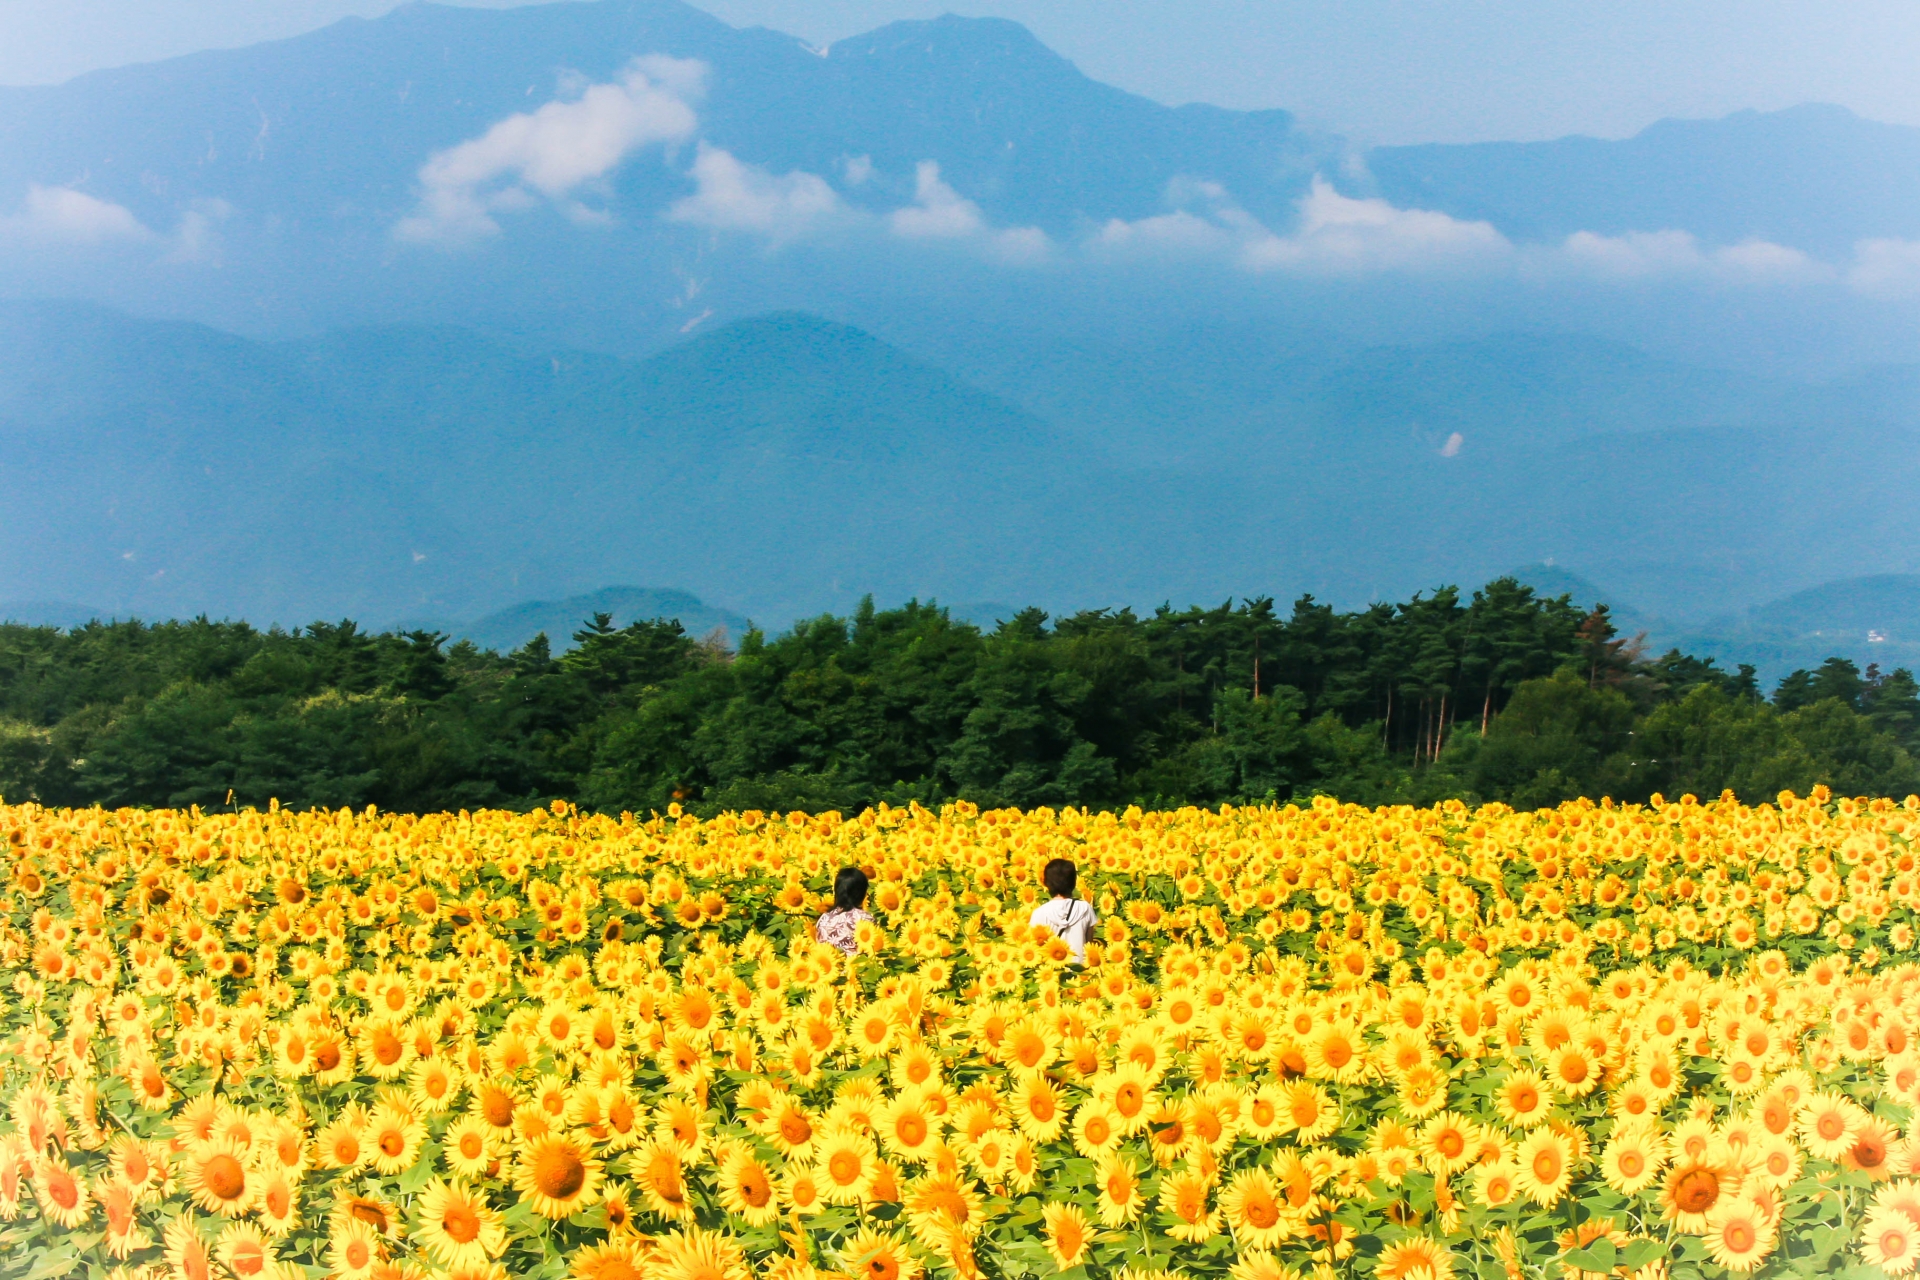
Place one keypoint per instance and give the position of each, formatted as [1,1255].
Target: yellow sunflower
[939,1201]
[62,1193]
[1447,1142]
[1336,1051]
[1890,1240]
[277,1207]
[283,1142]
[1118,1187]
[1184,1197]
[124,1234]
[333,1059]
[246,1252]
[383,1048]
[694,1254]
[991,1153]
[142,1167]
[1037,1107]
[1545,1163]
[1776,1161]
[1128,1093]
[215,1173]
[1068,1234]
[343,1143]
[457,1226]
[1872,1149]
[1170,1130]
[468,1146]
[1023,1166]
[1096,1130]
[435,1083]
[1829,1125]
[680,1121]
[906,1127]
[1521,1099]
[1252,1205]
[1692,1188]
[353,1250]
[747,1189]
[659,1169]
[377,1215]
[612,1259]
[1496,1183]
[494,1104]
[1415,1258]
[1633,1158]
[792,1129]
[557,1176]
[845,1161]
[1572,1070]
[1266,1113]
[1422,1090]
[187,1252]
[1311,1113]
[1739,1234]
[801,1190]
[913,1067]
[1258,1264]
[395,1137]
[878,1255]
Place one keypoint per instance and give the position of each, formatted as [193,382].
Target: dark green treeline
[1501,696]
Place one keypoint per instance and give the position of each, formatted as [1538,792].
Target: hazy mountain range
[424,317]
[786,464]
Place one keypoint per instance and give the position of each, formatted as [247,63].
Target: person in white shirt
[1070,918]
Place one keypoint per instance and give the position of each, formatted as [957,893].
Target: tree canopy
[1500,695]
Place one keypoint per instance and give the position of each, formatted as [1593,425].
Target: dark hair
[1060,876]
[849,889]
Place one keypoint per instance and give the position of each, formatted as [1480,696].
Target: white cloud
[553,152]
[732,196]
[1765,260]
[1020,245]
[938,212]
[197,238]
[1341,235]
[1178,233]
[1645,255]
[1335,234]
[1219,230]
[1637,253]
[65,216]
[1886,268]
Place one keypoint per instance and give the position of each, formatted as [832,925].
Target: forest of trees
[1499,696]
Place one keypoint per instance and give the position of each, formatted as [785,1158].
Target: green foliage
[1499,696]
[1557,739]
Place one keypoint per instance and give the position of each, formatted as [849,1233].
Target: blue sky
[1381,70]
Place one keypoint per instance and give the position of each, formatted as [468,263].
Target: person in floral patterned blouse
[837,927]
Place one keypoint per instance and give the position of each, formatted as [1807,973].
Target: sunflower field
[1673,1041]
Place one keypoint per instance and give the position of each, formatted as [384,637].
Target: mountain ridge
[788,463]
[334,125]
[1813,176]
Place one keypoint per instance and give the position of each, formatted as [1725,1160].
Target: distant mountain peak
[790,338]
[951,34]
